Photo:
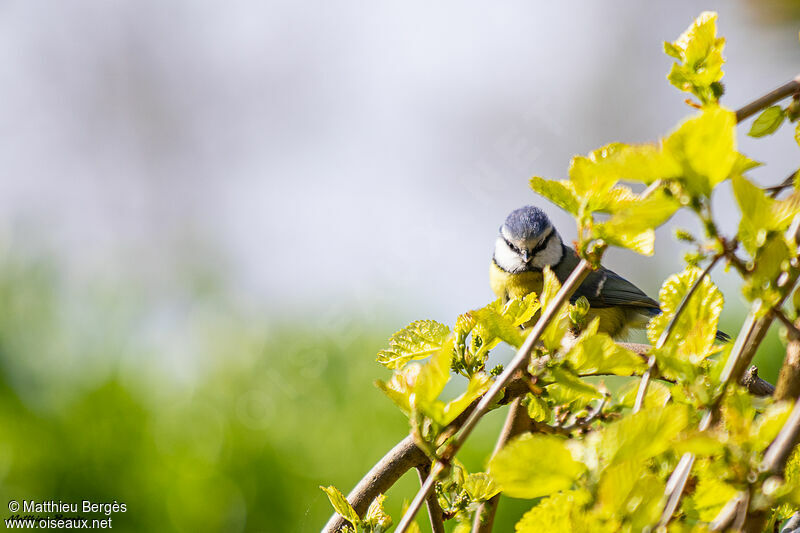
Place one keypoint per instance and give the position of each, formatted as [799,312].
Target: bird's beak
[526,256]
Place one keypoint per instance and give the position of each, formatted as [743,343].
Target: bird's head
[527,241]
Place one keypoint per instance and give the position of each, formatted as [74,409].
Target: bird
[528,242]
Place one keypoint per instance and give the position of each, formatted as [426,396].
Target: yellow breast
[613,320]
[507,286]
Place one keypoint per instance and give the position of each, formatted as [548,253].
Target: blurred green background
[273,408]
[213,216]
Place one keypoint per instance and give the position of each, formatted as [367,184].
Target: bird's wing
[605,288]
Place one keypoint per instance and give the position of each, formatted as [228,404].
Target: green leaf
[376,516]
[432,378]
[797,133]
[534,465]
[341,505]
[418,340]
[631,226]
[656,397]
[538,409]
[767,122]
[628,490]
[641,242]
[520,310]
[595,174]
[558,192]
[400,387]
[702,443]
[761,215]
[480,487]
[478,384]
[493,327]
[673,51]
[417,387]
[695,331]
[597,353]
[705,148]
[770,260]
[571,386]
[710,497]
[555,330]
[769,423]
[561,512]
[644,434]
[699,55]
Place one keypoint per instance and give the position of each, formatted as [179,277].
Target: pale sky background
[322,156]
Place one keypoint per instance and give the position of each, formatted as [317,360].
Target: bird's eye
[514,248]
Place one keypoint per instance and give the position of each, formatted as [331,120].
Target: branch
[768,99]
[789,378]
[402,458]
[775,190]
[774,463]
[778,452]
[587,420]
[567,289]
[434,511]
[517,423]
[662,340]
[754,384]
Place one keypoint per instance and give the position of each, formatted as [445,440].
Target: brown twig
[567,289]
[775,190]
[754,384]
[788,386]
[517,422]
[785,90]
[774,462]
[402,458]
[435,513]
[662,339]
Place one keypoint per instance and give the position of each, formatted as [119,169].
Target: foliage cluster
[599,460]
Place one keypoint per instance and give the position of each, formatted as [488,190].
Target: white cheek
[506,258]
[551,255]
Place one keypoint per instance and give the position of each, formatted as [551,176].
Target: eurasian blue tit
[528,242]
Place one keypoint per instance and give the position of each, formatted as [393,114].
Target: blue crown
[526,223]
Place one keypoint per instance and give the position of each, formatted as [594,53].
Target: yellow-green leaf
[376,516]
[480,486]
[572,385]
[492,326]
[705,148]
[644,434]
[656,397]
[558,192]
[531,466]
[767,122]
[418,340]
[400,387]
[710,497]
[699,54]
[538,410]
[478,384]
[769,423]
[597,353]
[432,377]
[696,328]
[629,490]
[555,330]
[564,511]
[761,215]
[341,505]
